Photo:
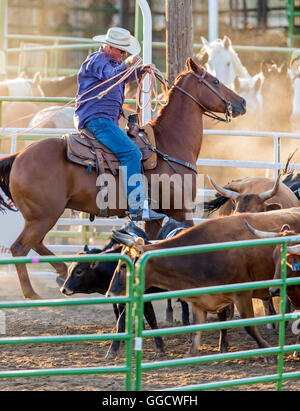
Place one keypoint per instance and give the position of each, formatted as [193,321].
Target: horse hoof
[33,296]
[110,355]
[158,355]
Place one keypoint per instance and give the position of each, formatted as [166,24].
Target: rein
[207,112]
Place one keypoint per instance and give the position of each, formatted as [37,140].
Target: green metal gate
[127,336]
[134,301]
[281,318]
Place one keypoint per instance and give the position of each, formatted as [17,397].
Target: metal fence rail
[281,318]
[127,336]
[136,297]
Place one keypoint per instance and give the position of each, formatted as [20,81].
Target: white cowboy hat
[120,39]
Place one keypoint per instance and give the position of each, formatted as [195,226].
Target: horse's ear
[204,41]
[237,84]
[203,59]
[37,78]
[294,65]
[226,42]
[86,249]
[283,68]
[191,65]
[22,74]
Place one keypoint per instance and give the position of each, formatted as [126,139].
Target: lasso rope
[152,90]
[126,73]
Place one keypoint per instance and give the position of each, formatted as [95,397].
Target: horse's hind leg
[30,238]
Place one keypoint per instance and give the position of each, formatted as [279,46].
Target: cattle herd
[249,208]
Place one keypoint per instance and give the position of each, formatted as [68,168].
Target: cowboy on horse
[100,115]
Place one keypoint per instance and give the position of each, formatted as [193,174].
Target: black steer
[95,278]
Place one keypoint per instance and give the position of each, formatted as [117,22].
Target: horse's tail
[5,168]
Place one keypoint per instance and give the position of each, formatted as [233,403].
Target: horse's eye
[216,81]
[233,206]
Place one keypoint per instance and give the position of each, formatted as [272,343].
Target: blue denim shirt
[97,68]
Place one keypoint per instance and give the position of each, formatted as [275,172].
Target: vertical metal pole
[139,287]
[138,24]
[277,149]
[213,25]
[3,41]
[147,54]
[3,24]
[282,312]
[129,326]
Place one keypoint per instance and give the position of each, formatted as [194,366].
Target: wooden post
[179,36]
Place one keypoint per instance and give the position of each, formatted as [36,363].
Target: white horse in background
[54,117]
[18,113]
[222,61]
[22,86]
[250,90]
[294,73]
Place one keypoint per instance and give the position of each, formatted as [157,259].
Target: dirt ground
[99,319]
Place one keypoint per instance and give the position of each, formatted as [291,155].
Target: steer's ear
[273,206]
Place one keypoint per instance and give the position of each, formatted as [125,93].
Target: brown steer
[251,195]
[237,265]
[292,266]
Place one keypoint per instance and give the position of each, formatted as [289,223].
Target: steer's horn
[233,195]
[123,238]
[270,193]
[294,249]
[260,234]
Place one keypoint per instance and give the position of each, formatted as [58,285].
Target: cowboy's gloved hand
[131,60]
[147,68]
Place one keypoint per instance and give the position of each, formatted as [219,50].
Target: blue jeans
[127,153]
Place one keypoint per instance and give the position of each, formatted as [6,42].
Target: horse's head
[250,90]
[208,92]
[221,60]
[22,86]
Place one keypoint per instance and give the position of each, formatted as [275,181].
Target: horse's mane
[169,95]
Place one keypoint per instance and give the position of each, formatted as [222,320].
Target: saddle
[84,149]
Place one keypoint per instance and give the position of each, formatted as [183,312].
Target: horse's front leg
[60,268]
[20,248]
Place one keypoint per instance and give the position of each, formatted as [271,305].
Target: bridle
[207,112]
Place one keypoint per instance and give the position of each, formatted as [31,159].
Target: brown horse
[42,183]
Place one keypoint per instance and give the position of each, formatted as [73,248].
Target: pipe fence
[127,335]
[281,318]
[135,297]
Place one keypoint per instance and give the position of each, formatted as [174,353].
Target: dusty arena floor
[99,319]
